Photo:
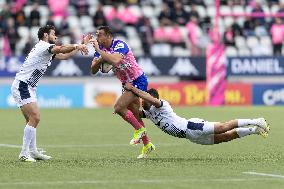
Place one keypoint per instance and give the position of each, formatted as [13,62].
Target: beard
[51,41]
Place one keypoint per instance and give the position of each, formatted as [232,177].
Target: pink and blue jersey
[127,70]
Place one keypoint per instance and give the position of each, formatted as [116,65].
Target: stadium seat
[274,8]
[244,51]
[252,42]
[248,9]
[154,22]
[240,42]
[92,10]
[266,9]
[93,2]
[27,10]
[265,41]
[238,9]
[73,21]
[211,11]
[201,11]
[65,40]
[225,9]
[148,11]
[71,11]
[228,21]
[23,32]
[209,2]
[162,49]
[134,42]
[33,32]
[86,22]
[231,51]
[106,9]
[20,45]
[179,51]
[44,11]
[135,9]
[131,32]
[260,31]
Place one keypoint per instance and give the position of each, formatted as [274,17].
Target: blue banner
[49,96]
[185,67]
[9,66]
[255,66]
[268,94]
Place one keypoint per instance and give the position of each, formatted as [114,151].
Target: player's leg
[236,133]
[32,115]
[121,108]
[26,116]
[134,108]
[32,111]
[148,147]
[223,127]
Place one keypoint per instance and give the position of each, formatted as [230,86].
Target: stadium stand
[147,25]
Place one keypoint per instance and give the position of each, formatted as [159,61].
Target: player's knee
[35,117]
[118,109]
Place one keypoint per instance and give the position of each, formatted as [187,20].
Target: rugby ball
[105,67]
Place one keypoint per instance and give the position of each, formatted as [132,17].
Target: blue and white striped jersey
[166,120]
[36,63]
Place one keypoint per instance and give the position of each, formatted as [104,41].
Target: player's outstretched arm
[64,56]
[146,96]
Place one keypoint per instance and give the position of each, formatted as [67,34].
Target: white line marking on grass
[83,145]
[10,146]
[264,174]
[161,181]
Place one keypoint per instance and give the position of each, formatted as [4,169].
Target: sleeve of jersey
[96,55]
[49,48]
[121,48]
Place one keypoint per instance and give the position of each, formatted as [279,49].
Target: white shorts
[201,132]
[23,93]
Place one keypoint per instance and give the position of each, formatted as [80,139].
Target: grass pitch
[90,150]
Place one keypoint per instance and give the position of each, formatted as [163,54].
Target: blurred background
[194,52]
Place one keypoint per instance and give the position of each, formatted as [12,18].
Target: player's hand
[128,86]
[87,38]
[83,48]
[95,44]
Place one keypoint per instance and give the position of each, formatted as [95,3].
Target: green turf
[90,150]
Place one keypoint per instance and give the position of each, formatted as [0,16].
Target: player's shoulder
[119,44]
[43,45]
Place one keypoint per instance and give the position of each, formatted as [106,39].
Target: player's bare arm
[96,64]
[154,101]
[110,58]
[64,56]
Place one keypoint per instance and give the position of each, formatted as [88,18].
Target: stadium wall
[102,94]
[69,84]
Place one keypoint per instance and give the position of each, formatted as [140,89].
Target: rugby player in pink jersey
[117,53]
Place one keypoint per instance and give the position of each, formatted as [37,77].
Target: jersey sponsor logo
[67,68]
[183,67]
[148,67]
[119,46]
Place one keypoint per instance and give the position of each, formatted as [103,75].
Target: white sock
[27,138]
[33,141]
[242,132]
[246,122]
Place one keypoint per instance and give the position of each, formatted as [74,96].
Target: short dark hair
[153,93]
[44,29]
[106,29]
